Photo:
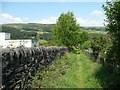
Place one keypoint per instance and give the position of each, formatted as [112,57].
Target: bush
[100,45]
[86,45]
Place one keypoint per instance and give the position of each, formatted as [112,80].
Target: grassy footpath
[71,71]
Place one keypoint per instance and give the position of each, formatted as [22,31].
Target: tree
[67,32]
[100,45]
[112,11]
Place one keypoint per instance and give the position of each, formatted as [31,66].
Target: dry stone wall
[20,65]
[91,56]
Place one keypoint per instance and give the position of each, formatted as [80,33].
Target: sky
[86,13]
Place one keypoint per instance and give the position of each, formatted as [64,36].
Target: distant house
[5,41]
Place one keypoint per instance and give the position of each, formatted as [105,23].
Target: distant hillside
[32,27]
[29,31]
[37,31]
[97,28]
[46,27]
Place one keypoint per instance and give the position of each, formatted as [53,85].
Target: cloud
[89,22]
[50,20]
[7,18]
[94,22]
[97,13]
[80,20]
[25,19]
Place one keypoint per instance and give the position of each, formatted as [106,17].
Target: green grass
[71,71]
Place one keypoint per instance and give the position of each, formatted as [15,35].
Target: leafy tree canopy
[112,12]
[67,31]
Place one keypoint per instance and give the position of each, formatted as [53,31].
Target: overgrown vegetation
[108,48]
[74,71]
[71,71]
[112,11]
[100,45]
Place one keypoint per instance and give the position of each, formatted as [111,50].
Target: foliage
[67,32]
[100,45]
[112,11]
[95,34]
[83,37]
[86,45]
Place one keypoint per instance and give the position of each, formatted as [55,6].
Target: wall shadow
[105,74]
[107,78]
